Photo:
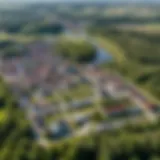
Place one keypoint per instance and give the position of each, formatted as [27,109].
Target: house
[116,90]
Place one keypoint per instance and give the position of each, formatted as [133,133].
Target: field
[152,28]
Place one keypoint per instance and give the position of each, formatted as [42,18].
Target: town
[62,100]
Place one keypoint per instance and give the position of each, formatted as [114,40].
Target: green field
[152,28]
[79,92]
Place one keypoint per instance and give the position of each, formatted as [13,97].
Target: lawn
[82,91]
[53,99]
[79,92]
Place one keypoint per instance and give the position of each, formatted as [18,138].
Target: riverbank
[114,49]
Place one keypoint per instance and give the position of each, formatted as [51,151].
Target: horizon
[79,1]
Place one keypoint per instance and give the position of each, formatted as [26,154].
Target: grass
[53,99]
[17,37]
[80,92]
[51,119]
[24,38]
[3,115]
[102,154]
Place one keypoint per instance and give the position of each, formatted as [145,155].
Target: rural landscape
[80,80]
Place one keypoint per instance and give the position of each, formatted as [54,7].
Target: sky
[5,1]
[81,0]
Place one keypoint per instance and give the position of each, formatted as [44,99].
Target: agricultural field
[151,28]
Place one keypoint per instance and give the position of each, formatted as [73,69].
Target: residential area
[62,100]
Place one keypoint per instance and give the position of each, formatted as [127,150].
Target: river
[102,57]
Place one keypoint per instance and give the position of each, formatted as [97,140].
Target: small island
[79,51]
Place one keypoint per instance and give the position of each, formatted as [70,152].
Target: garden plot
[121,109]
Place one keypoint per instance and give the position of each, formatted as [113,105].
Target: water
[102,57]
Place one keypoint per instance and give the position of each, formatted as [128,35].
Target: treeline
[44,28]
[133,143]
[32,28]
